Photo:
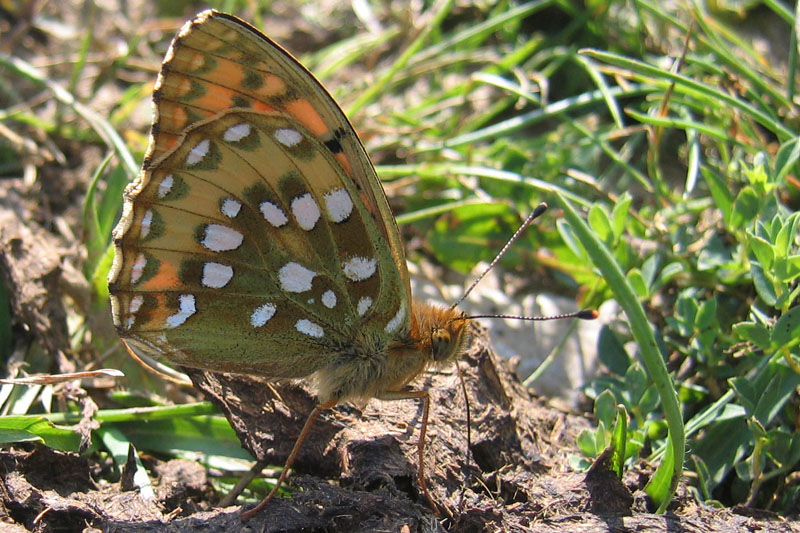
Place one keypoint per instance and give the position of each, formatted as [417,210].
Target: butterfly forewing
[257,223]
[219,62]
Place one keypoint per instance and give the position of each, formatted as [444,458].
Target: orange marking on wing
[304,112]
[217,98]
[342,159]
[177,86]
[165,279]
[258,105]
[171,116]
[367,201]
[161,312]
[164,143]
[273,86]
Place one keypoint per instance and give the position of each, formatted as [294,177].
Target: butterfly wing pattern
[257,238]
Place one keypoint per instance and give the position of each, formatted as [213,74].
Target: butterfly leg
[290,460]
[426,400]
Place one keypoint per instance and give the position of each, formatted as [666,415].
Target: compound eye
[442,344]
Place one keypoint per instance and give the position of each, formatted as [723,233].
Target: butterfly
[258,240]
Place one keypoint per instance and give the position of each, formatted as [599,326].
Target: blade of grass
[672,467]
[376,88]
[659,77]
[101,126]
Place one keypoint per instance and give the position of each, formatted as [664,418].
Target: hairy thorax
[373,365]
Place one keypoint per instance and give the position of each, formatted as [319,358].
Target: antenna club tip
[587,314]
[537,212]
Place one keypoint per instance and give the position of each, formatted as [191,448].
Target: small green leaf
[619,440]
[637,281]
[758,334]
[718,186]
[763,250]
[612,353]
[786,158]
[600,224]
[619,215]
[706,315]
[786,332]
[745,207]
[26,428]
[605,407]
[744,393]
[763,285]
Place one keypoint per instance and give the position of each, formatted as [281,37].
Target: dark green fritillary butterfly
[258,239]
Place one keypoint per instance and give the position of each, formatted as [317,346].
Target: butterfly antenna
[584,314]
[541,208]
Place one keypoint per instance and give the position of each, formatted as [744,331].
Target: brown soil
[357,470]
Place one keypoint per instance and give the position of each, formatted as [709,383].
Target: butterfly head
[442,333]
[450,340]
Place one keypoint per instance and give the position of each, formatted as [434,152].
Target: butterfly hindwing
[258,224]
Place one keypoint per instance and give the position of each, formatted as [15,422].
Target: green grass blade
[671,468]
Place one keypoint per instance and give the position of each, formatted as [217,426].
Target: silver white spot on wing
[147,219]
[237,133]
[359,268]
[135,303]
[309,328]
[288,136]
[138,268]
[199,152]
[294,277]
[273,214]
[219,238]
[397,319]
[329,299]
[216,275]
[364,303]
[306,211]
[338,204]
[230,207]
[165,186]
[186,308]
[262,314]
[133,307]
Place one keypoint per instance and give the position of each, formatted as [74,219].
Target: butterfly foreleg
[426,400]
[290,460]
